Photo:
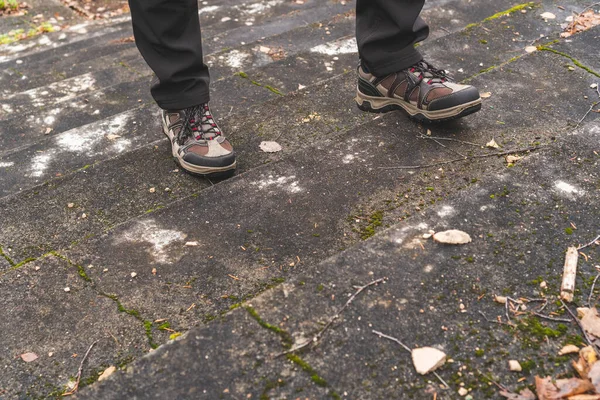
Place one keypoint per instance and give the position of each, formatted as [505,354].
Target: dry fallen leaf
[29,357]
[548,15]
[512,159]
[112,136]
[270,147]
[500,299]
[107,372]
[525,394]
[452,236]
[485,95]
[530,49]
[572,386]
[594,376]
[568,349]
[427,359]
[590,321]
[492,144]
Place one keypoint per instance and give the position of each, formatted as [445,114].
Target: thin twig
[383,335]
[79,372]
[592,290]
[587,8]
[495,321]
[589,244]
[409,350]
[444,146]
[551,318]
[501,153]
[586,114]
[320,334]
[452,140]
[587,338]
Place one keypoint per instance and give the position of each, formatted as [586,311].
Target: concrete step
[433,296]
[281,216]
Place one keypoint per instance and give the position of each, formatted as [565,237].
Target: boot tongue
[209,127]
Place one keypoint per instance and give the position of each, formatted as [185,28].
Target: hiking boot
[197,142]
[427,94]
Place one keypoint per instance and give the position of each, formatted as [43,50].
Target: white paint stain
[567,188]
[261,7]
[344,46]
[209,9]
[236,59]
[84,140]
[6,164]
[148,231]
[348,158]
[446,211]
[286,183]
[39,164]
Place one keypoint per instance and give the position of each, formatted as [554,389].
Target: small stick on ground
[79,372]
[437,164]
[587,338]
[443,145]
[551,318]
[589,244]
[320,334]
[592,291]
[393,339]
[567,287]
[494,321]
[452,140]
[586,114]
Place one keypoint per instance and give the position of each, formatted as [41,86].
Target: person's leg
[167,33]
[386,31]
[393,75]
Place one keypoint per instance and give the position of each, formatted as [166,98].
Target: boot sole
[386,104]
[198,170]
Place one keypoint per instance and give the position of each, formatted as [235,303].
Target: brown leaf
[525,394]
[545,389]
[591,321]
[594,376]
[572,386]
[29,357]
[582,367]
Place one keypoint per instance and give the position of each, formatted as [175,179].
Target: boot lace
[198,123]
[430,73]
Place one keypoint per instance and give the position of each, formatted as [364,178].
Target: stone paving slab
[45,319]
[517,221]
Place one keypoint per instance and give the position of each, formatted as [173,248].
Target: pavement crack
[268,87]
[136,314]
[573,59]
[287,342]
[6,257]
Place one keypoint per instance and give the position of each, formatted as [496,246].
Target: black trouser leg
[167,33]
[386,31]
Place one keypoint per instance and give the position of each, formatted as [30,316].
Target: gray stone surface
[432,297]
[290,216]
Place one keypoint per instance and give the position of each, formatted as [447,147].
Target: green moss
[6,257]
[527,366]
[483,41]
[575,61]
[268,87]
[307,368]
[164,326]
[320,287]
[174,336]
[286,338]
[479,353]
[569,231]
[375,220]
[136,315]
